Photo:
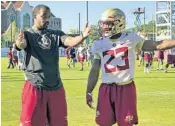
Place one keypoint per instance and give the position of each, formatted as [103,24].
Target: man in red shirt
[9,53]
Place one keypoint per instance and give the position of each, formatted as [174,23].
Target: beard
[44,25]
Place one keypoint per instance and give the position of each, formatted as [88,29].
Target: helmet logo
[112,22]
[114,44]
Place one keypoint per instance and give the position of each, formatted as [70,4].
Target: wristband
[82,35]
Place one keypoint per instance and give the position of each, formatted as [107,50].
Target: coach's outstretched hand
[20,42]
[166,44]
[86,30]
[21,35]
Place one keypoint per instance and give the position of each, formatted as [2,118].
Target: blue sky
[68,11]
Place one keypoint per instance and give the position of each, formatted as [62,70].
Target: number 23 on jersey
[112,56]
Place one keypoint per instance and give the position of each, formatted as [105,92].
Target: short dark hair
[37,9]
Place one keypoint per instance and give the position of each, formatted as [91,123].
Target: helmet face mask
[112,22]
[106,27]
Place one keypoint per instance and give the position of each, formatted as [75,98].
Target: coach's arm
[149,45]
[92,81]
[21,42]
[73,41]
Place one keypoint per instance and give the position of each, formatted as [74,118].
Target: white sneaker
[147,70]
[165,70]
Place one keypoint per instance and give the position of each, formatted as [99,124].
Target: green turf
[156,96]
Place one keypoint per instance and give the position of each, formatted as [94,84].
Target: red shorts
[117,104]
[15,59]
[40,107]
[81,58]
[147,57]
[68,56]
[171,59]
[160,55]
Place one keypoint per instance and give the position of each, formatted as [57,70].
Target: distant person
[89,56]
[147,60]
[10,57]
[141,59]
[81,56]
[14,56]
[137,54]
[72,56]
[160,60]
[152,59]
[170,59]
[20,60]
[68,58]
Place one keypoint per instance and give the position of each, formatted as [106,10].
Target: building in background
[18,11]
[150,36]
[55,23]
[21,12]
[165,20]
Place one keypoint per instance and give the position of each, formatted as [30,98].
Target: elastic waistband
[122,83]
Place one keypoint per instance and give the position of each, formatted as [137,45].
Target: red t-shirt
[10,54]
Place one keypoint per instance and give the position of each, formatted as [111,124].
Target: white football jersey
[14,52]
[117,57]
[171,51]
[81,51]
[88,52]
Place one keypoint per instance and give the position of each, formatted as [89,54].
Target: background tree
[7,35]
[73,31]
[94,34]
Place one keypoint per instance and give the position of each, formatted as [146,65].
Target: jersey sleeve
[61,38]
[95,51]
[139,45]
[137,40]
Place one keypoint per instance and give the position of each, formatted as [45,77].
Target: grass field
[156,96]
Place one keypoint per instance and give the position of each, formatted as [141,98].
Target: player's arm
[73,41]
[21,42]
[149,45]
[93,75]
[92,80]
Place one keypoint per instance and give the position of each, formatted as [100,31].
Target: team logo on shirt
[44,42]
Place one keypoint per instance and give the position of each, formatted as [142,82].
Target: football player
[147,58]
[114,54]
[81,56]
[160,60]
[68,57]
[170,58]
